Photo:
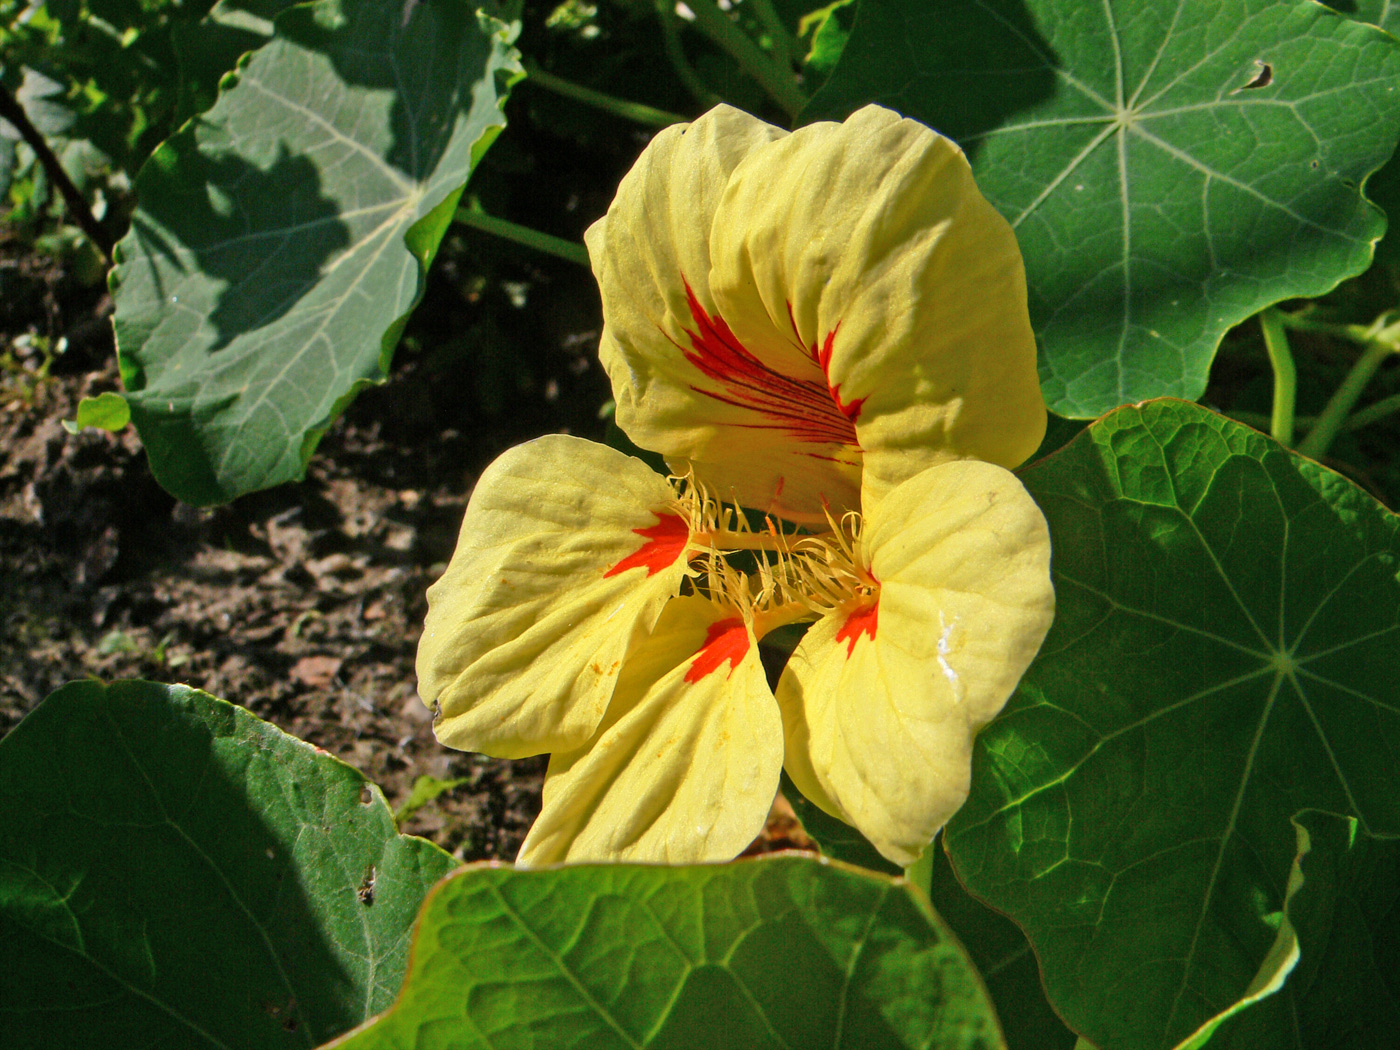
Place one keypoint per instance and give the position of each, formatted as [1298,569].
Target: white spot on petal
[945,646]
[616,611]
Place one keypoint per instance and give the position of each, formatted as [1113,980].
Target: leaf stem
[785,46]
[635,111]
[1374,413]
[920,873]
[779,83]
[12,111]
[675,51]
[1356,333]
[1334,413]
[513,231]
[1285,376]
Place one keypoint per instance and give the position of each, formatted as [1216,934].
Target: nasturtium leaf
[785,951]
[1225,652]
[175,872]
[107,411]
[1345,992]
[1170,167]
[282,237]
[1384,186]
[1005,960]
[211,47]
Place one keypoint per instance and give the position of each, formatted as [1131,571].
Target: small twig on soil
[78,208]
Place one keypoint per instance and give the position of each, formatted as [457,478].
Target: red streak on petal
[808,409]
[861,622]
[725,640]
[666,541]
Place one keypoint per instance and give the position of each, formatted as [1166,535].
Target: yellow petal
[880,704]
[870,240]
[567,547]
[651,256]
[685,766]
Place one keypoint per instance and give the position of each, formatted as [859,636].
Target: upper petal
[567,547]
[880,705]
[685,765]
[869,241]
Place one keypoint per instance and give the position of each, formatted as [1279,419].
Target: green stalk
[657,118]
[1356,333]
[1343,400]
[1285,376]
[513,231]
[670,35]
[780,83]
[785,46]
[920,873]
[1374,413]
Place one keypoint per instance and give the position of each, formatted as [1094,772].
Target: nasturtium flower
[828,327]
[804,320]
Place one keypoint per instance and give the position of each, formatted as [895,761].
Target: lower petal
[684,767]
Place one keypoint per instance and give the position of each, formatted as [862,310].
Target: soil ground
[302,603]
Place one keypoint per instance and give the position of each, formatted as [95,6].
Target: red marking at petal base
[666,541]
[725,640]
[860,622]
[807,409]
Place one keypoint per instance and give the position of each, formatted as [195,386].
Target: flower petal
[881,700]
[869,243]
[567,548]
[685,766]
[651,256]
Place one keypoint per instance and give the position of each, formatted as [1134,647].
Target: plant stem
[780,83]
[636,111]
[671,37]
[920,873]
[1374,413]
[513,231]
[1356,333]
[12,111]
[1285,376]
[785,46]
[1343,400]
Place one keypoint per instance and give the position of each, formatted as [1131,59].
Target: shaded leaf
[1224,654]
[1170,168]
[1345,993]
[282,237]
[783,951]
[175,872]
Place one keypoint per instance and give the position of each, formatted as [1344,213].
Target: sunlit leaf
[1226,652]
[1169,167]
[788,951]
[282,237]
[107,411]
[177,873]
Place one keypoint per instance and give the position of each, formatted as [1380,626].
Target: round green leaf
[283,236]
[1225,653]
[780,952]
[1170,167]
[175,872]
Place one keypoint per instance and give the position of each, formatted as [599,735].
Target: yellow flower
[828,326]
[811,318]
